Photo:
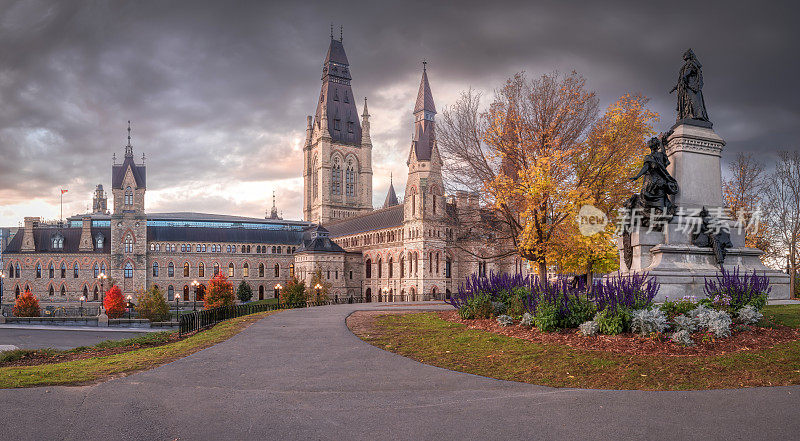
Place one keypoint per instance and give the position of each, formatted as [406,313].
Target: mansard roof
[316,240]
[336,53]
[224,235]
[118,173]
[375,220]
[42,239]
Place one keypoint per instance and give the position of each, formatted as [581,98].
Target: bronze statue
[712,235]
[658,184]
[690,89]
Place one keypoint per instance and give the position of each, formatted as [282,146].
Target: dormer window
[58,242]
[350,126]
[128,196]
[99,240]
[336,94]
[345,97]
[337,124]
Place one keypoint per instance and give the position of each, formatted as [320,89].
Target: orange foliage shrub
[220,292]
[27,305]
[114,302]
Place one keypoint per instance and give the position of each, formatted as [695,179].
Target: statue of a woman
[690,89]
[658,185]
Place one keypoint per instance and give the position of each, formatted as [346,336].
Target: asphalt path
[301,374]
[29,338]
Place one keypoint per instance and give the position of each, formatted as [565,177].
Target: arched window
[336,177]
[368,269]
[186,292]
[85,292]
[186,269]
[128,272]
[350,179]
[103,268]
[216,269]
[201,270]
[171,270]
[260,270]
[128,196]
[416,264]
[245,270]
[273,250]
[16,292]
[230,269]
[155,269]
[63,291]
[75,271]
[129,244]
[96,293]
[171,292]
[402,266]
[391,267]
[380,268]
[58,242]
[277,270]
[52,271]
[63,270]
[10,270]
[430,262]
[38,270]
[437,263]
[51,291]
[291,270]
[96,270]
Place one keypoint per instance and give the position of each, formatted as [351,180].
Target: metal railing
[58,311]
[207,318]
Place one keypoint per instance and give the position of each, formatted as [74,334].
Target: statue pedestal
[682,268]
[694,152]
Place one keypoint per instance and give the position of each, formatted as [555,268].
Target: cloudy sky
[218,91]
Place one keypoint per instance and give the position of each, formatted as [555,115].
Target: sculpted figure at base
[713,234]
[658,185]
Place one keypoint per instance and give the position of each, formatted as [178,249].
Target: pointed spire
[366,112]
[391,196]
[331,30]
[341,33]
[129,147]
[424,96]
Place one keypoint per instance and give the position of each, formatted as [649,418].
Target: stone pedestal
[694,152]
[102,320]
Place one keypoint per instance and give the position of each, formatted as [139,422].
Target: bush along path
[428,338]
[130,359]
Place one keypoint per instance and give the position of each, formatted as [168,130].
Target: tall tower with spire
[337,155]
[424,203]
[129,223]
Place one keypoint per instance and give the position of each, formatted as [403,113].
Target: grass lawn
[427,338]
[264,302]
[99,368]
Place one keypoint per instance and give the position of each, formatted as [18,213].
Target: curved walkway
[302,374]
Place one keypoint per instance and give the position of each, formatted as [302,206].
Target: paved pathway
[27,337]
[301,374]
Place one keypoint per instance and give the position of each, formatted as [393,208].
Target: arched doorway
[261,292]
[369,294]
[201,293]
[433,293]
[447,294]
[413,294]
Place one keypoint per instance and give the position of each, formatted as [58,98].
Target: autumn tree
[293,293]
[114,303]
[537,154]
[219,293]
[152,305]
[743,194]
[782,194]
[26,305]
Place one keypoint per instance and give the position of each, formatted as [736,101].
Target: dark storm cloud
[218,91]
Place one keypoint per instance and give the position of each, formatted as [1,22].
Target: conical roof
[424,96]
[391,197]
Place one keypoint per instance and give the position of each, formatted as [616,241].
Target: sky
[218,92]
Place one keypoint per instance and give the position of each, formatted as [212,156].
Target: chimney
[86,234]
[28,242]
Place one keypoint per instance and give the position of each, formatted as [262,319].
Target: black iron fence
[207,318]
[58,311]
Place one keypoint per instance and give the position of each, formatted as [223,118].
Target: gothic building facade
[417,249]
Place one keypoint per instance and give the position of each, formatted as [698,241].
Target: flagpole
[61,216]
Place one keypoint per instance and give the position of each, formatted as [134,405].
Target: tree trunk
[542,272]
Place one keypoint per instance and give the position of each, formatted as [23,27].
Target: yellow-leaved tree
[540,152]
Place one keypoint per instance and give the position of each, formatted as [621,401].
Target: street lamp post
[195,284]
[81,310]
[318,287]
[102,278]
[129,306]
[278,289]
[177,317]
[385,293]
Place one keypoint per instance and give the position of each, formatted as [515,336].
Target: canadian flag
[63,191]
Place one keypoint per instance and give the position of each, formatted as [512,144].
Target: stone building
[415,249]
